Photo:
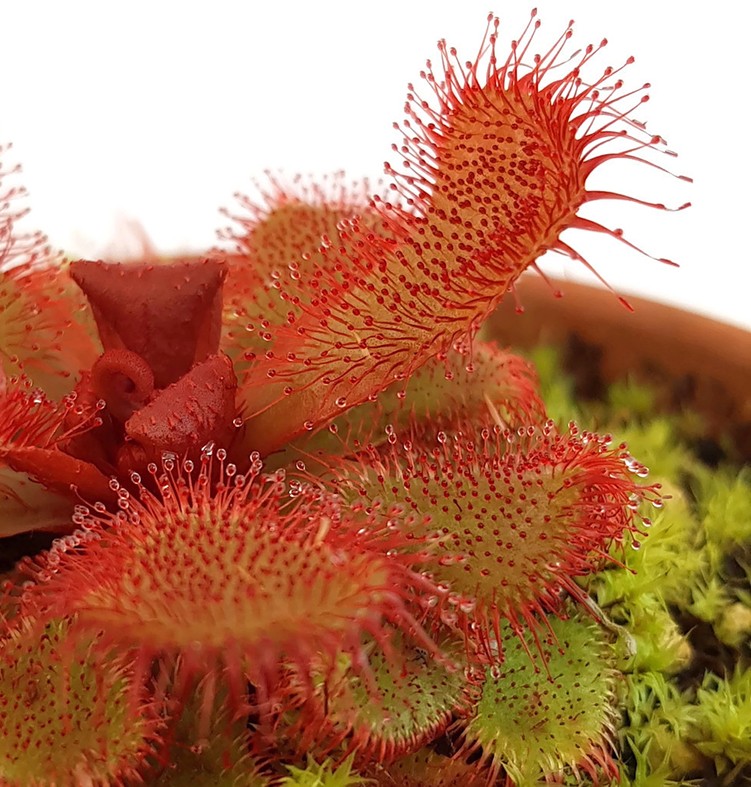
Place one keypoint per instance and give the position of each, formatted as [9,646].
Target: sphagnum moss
[683,595]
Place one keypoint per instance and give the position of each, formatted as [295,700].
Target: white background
[159,111]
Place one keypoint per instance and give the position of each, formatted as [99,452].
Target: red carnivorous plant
[302,508]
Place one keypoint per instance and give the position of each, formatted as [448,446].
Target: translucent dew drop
[467,606]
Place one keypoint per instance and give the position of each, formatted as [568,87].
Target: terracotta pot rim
[710,358]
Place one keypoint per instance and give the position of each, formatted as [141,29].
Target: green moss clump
[682,593]
[722,725]
[325,774]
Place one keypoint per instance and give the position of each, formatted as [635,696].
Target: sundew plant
[307,524]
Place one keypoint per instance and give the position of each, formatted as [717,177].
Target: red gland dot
[124,380]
